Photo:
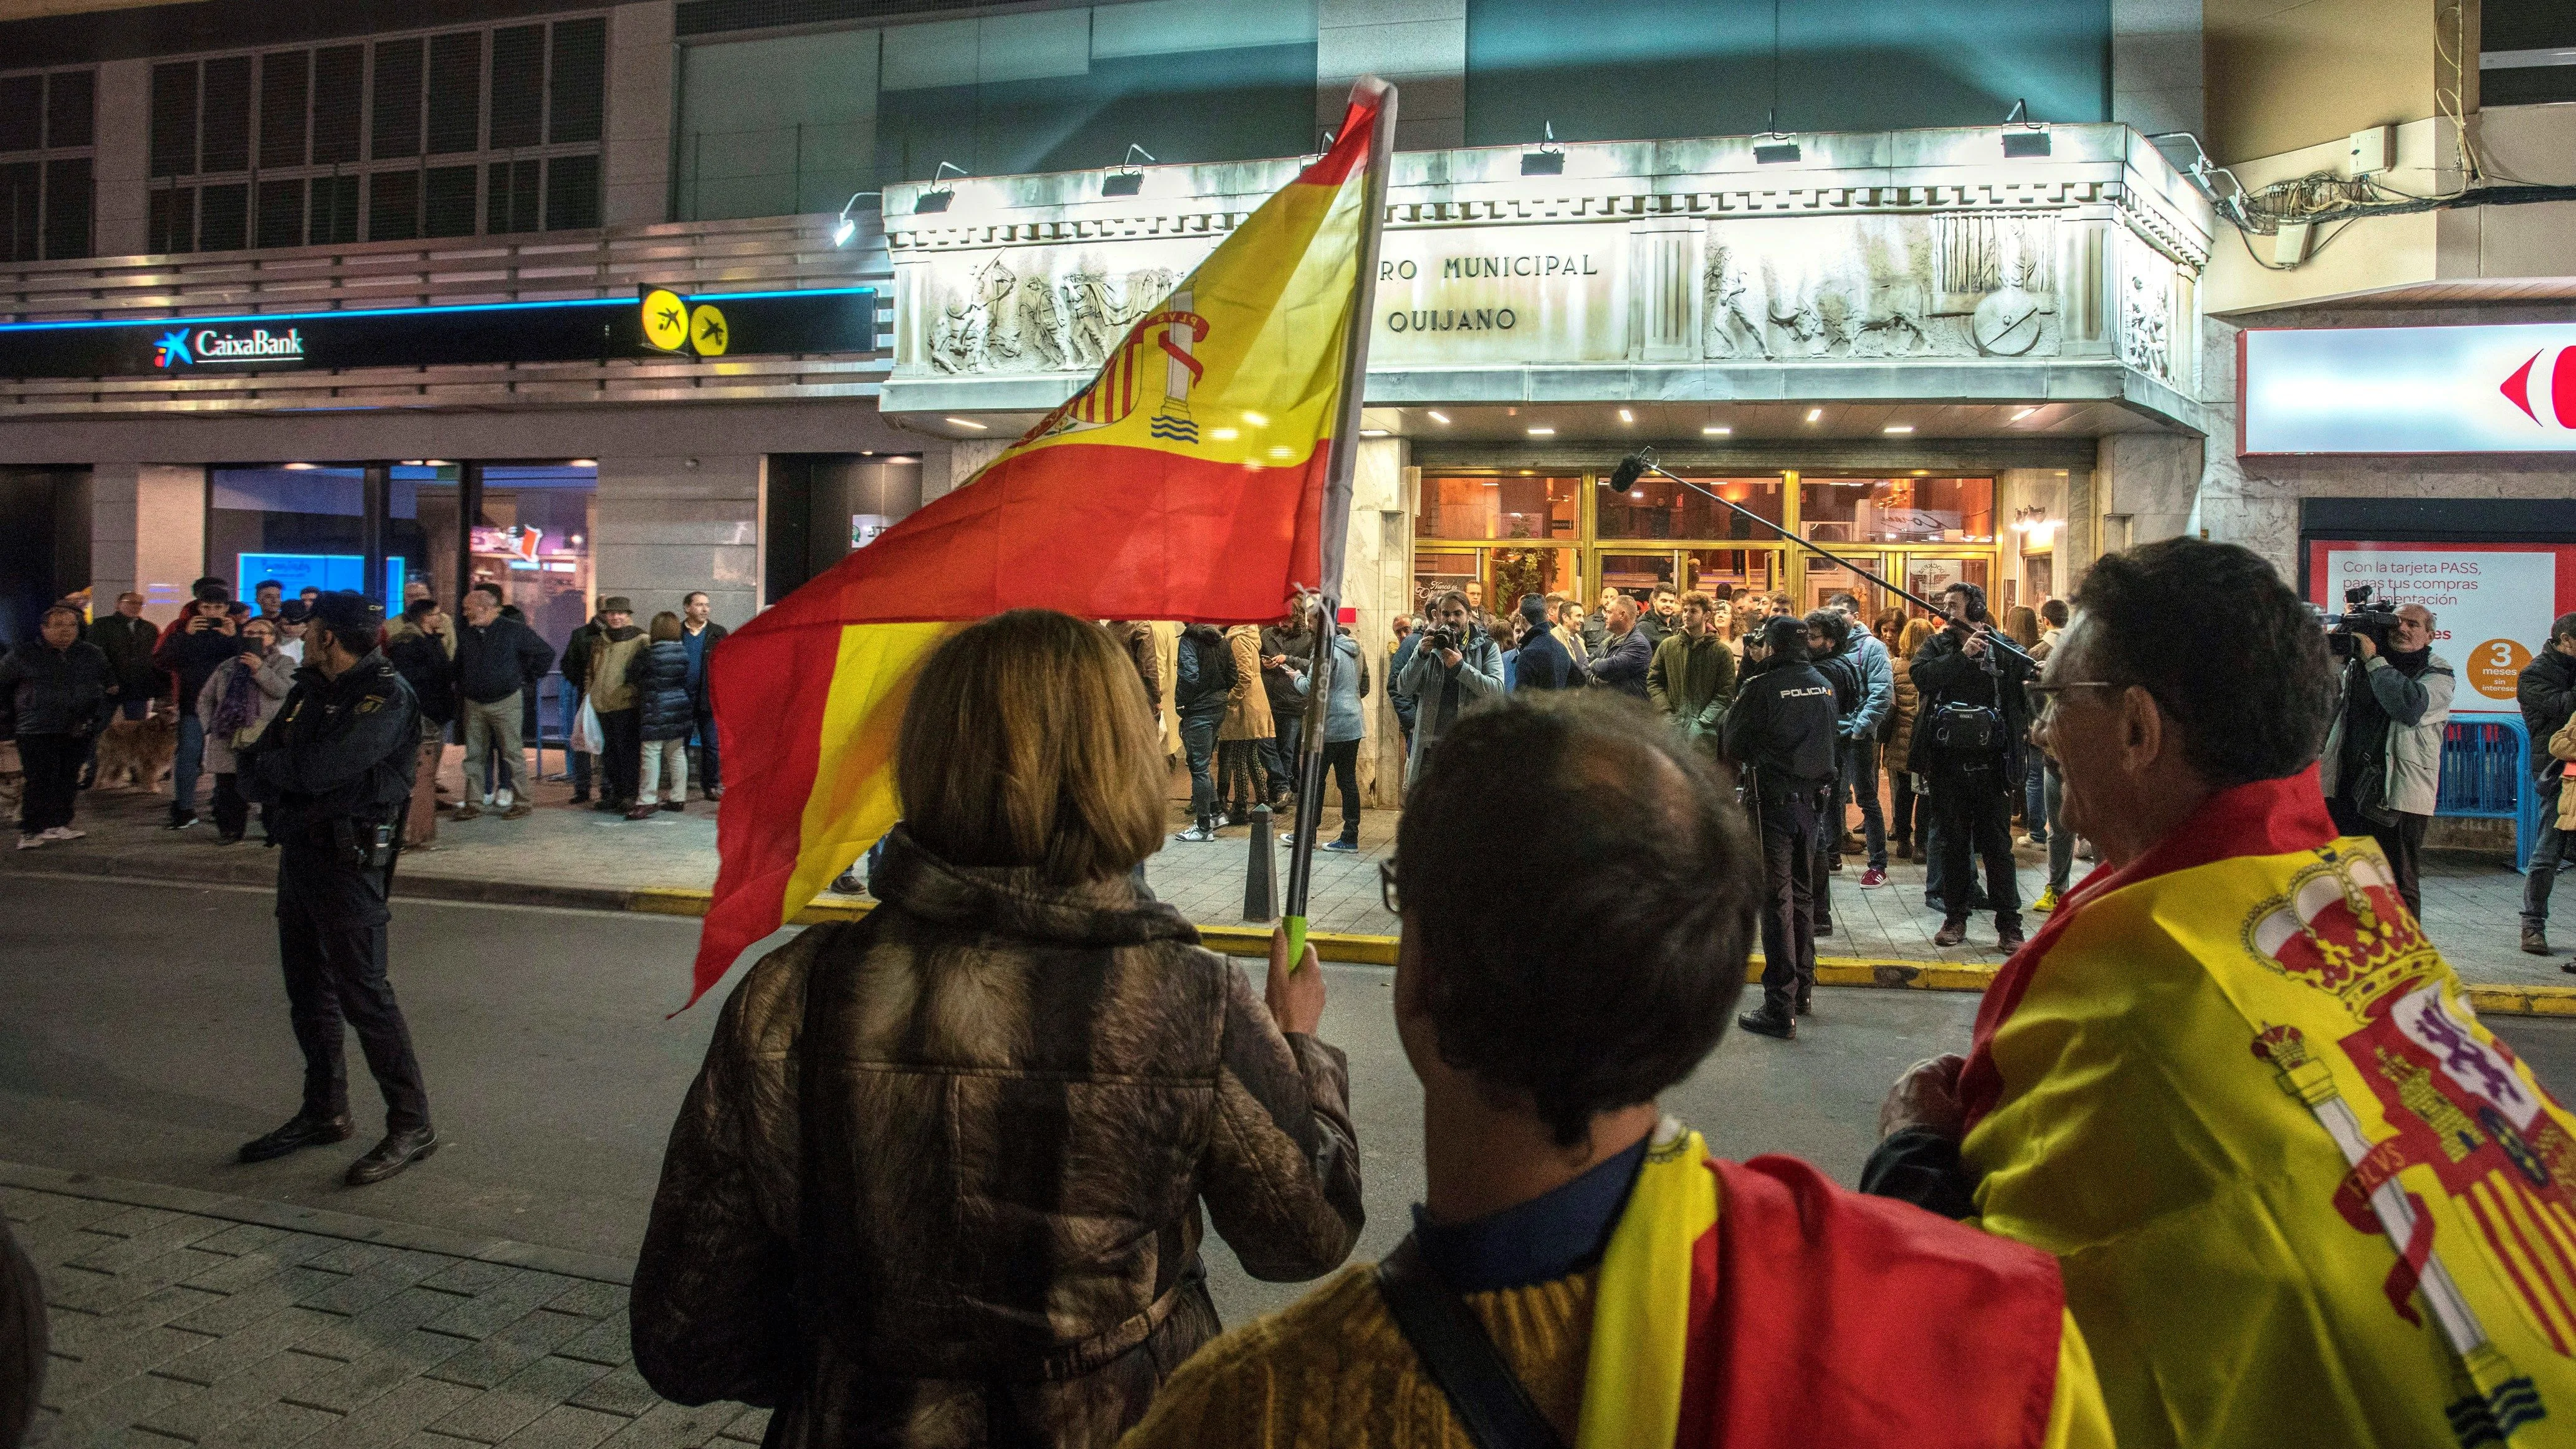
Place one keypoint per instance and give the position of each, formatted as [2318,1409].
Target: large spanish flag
[1186,482]
[2300,1193]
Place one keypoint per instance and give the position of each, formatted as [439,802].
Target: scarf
[237,708]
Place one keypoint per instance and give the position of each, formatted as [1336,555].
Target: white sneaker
[64,832]
[30,842]
[500,799]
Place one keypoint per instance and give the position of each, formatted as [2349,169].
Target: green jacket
[1692,680]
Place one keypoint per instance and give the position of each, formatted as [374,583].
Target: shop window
[1897,510]
[531,535]
[334,217]
[1661,508]
[299,526]
[1506,506]
[1723,573]
[1637,575]
[1494,578]
[45,181]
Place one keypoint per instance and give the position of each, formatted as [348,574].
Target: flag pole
[1342,457]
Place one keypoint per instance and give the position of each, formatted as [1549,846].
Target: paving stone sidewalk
[173,1327]
[572,855]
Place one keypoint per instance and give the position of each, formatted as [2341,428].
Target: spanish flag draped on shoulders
[1749,1305]
[2299,1192]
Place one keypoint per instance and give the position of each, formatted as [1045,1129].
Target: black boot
[301,1131]
[1771,1020]
[398,1151]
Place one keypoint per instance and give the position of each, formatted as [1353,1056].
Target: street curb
[292,1218]
[1341,948]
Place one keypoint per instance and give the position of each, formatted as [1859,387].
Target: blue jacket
[1343,721]
[1543,663]
[1621,663]
[1877,685]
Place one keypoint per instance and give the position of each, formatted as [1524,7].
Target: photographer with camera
[2382,766]
[1969,742]
[1453,667]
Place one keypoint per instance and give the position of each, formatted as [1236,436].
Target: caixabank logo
[202,346]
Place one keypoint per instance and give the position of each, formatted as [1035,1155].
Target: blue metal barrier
[2486,775]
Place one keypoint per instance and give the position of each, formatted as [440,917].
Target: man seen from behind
[2546,690]
[1551,981]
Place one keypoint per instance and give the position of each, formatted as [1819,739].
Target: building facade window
[47,121]
[796,123]
[443,133]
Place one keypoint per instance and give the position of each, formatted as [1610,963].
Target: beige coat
[1247,709]
[2563,746]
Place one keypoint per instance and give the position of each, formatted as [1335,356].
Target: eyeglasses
[1386,887]
[2047,694]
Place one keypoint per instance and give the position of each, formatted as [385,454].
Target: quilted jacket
[939,1181]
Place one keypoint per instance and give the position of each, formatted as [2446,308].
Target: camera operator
[1780,731]
[2383,761]
[1968,740]
[1453,667]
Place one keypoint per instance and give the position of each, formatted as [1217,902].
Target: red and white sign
[2508,388]
[2492,603]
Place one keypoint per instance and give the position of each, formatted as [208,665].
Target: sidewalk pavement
[566,855]
[183,1317]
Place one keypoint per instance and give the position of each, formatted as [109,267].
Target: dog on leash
[138,753]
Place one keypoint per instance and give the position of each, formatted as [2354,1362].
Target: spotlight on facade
[1773,149]
[2030,140]
[844,228]
[937,200]
[1546,158]
[1125,179]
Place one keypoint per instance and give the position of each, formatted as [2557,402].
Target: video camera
[2360,616]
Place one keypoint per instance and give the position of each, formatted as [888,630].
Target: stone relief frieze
[2146,322]
[1790,289]
[1036,311]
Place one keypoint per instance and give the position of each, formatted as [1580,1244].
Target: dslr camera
[2360,616]
[1437,638]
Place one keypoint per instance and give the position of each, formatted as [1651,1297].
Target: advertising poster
[2492,603]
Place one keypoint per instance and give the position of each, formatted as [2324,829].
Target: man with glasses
[2230,1083]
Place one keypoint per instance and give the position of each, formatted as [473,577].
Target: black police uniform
[1781,730]
[336,767]
[1972,789]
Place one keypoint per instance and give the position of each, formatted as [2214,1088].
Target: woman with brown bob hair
[938,1182]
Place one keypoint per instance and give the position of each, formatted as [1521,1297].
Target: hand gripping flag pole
[1337,511]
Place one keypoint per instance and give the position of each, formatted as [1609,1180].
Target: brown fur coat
[977,1220]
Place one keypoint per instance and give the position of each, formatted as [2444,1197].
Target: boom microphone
[1624,477]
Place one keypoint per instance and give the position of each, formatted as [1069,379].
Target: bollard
[1261,872]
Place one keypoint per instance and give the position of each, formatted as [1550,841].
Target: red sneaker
[1872,877]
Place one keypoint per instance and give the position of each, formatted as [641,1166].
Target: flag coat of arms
[1187,481]
[2300,1194]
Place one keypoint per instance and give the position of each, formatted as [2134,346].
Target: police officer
[335,768]
[1780,731]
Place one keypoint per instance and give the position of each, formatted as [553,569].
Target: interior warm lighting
[583,463]
[966,423]
[1439,417]
[1626,416]
[1638,493]
[433,462]
[1717,430]
[1815,415]
[1898,428]
[1542,432]
[302,467]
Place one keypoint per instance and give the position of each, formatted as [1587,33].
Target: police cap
[347,614]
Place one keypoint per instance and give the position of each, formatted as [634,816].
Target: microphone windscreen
[1624,477]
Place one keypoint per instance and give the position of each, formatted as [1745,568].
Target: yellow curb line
[1358,950]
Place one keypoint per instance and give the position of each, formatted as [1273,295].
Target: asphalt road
[143,1035]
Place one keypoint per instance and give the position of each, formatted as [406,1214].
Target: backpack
[1206,668]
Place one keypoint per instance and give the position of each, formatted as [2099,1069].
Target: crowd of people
[636,712]
[943,1176]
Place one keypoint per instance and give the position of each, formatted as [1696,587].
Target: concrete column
[2149,486]
[635,161]
[1377,580]
[671,525]
[945,469]
[147,532]
[1421,45]
[120,170]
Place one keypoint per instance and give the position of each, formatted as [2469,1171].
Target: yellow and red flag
[1187,481]
[2300,1193]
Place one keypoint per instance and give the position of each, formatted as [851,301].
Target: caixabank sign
[656,322]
